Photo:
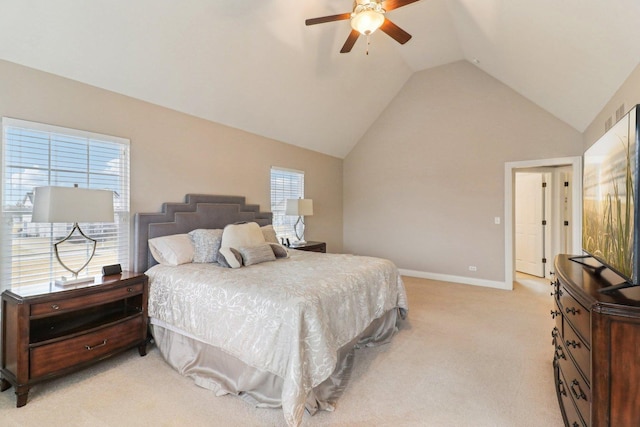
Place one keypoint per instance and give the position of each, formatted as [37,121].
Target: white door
[529,216]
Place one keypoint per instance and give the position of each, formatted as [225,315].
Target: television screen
[609,201]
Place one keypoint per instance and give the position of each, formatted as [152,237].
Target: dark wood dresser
[597,347]
[48,331]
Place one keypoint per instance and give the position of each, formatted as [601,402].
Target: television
[610,196]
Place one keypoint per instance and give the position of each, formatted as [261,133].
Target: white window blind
[35,155]
[285,184]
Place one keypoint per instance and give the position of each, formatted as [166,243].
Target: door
[529,220]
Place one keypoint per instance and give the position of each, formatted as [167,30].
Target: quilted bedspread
[288,317]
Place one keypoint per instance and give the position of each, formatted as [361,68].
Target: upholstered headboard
[198,211]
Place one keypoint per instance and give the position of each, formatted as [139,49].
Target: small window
[35,155]
[285,184]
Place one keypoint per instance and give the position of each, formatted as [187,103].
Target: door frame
[510,169]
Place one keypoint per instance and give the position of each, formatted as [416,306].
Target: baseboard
[455,279]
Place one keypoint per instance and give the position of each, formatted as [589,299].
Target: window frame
[102,160]
[284,224]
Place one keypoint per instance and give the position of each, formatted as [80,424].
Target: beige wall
[173,153]
[628,94]
[424,184]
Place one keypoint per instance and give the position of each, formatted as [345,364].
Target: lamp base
[298,243]
[64,282]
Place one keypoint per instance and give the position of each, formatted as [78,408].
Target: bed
[280,333]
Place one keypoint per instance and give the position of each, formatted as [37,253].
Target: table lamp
[72,205]
[299,208]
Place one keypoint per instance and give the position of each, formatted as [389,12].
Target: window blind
[34,155]
[285,184]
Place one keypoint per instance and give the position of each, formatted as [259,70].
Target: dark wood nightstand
[49,331]
[312,247]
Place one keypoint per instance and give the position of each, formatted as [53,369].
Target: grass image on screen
[609,205]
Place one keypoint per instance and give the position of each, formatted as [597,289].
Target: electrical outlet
[496,220]
[473,268]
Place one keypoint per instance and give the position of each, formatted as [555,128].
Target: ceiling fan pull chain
[368,44]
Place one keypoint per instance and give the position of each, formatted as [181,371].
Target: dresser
[48,331]
[596,341]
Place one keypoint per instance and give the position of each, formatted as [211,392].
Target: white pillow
[269,233]
[174,250]
[239,236]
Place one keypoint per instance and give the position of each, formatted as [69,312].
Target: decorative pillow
[269,234]
[206,244]
[256,254]
[174,250]
[239,236]
[232,254]
[279,251]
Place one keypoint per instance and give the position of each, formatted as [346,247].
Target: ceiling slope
[255,65]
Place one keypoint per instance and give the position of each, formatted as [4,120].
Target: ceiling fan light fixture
[367,17]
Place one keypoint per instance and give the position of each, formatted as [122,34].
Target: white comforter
[288,317]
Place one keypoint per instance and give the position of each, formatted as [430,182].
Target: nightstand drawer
[51,358]
[54,307]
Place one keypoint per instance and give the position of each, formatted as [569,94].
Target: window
[285,184]
[35,155]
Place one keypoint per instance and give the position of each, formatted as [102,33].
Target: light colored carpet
[467,356]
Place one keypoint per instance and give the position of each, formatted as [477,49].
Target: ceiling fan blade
[330,18]
[395,32]
[351,40]
[394,4]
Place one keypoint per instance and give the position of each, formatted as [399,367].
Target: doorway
[543,206]
[565,185]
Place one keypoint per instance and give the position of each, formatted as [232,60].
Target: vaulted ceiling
[254,65]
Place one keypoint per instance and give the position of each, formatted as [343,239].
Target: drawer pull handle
[577,395]
[560,353]
[561,388]
[572,310]
[573,343]
[129,290]
[575,424]
[555,313]
[91,347]
[55,307]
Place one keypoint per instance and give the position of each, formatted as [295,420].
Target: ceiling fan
[367,17]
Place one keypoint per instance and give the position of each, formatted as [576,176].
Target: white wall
[425,183]
[173,154]
[628,94]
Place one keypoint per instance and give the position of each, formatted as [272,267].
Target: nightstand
[49,331]
[311,247]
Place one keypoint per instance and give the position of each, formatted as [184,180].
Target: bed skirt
[213,369]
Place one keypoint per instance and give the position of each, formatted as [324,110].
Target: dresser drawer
[577,388]
[54,307]
[576,314]
[578,350]
[573,417]
[51,358]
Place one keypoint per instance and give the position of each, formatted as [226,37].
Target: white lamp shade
[299,207]
[72,204]
[367,21]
